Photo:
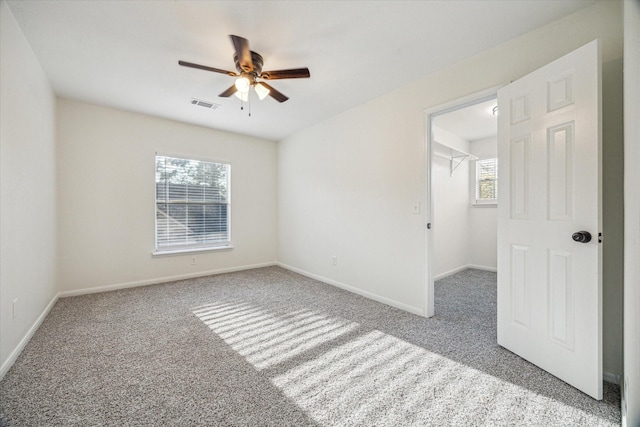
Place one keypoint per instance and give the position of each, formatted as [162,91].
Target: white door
[549,285]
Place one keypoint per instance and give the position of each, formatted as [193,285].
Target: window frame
[477,201]
[227,245]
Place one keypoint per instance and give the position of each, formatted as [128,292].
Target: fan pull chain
[248,105]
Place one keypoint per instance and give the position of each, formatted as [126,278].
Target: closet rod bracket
[457,161]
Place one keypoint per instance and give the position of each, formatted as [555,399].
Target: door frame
[458,103]
[631,382]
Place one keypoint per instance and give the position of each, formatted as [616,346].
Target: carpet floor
[268,347]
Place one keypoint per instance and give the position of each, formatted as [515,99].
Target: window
[487,181]
[192,204]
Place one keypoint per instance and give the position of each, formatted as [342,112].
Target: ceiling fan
[250,74]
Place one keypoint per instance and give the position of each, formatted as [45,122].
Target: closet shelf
[455,156]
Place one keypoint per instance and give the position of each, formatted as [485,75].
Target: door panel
[549,286]
[561,316]
[560,166]
[519,287]
[520,159]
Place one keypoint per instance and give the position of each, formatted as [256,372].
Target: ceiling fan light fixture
[243,84]
[261,91]
[244,97]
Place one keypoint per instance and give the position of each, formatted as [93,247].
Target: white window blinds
[486,181]
[192,204]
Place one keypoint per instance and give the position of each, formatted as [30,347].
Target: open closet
[464,174]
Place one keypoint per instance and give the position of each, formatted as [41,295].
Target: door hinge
[599,237]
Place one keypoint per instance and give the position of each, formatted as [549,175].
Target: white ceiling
[124,54]
[471,123]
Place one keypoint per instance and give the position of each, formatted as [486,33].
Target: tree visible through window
[192,204]
[487,181]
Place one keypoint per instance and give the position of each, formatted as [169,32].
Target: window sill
[190,251]
[484,205]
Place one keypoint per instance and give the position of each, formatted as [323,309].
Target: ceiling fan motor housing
[257,60]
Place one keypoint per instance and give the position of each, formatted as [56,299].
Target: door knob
[581,236]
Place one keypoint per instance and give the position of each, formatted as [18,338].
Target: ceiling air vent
[205,104]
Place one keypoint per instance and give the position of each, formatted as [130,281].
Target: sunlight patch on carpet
[265,337]
[369,373]
[377,374]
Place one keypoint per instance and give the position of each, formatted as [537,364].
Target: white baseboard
[411,309]
[158,280]
[464,267]
[612,378]
[450,272]
[483,267]
[25,340]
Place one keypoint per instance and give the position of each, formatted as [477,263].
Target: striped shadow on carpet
[270,347]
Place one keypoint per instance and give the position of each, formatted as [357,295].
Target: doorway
[461,158]
[464,162]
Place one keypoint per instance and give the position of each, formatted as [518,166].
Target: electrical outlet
[334,260]
[14,307]
[193,260]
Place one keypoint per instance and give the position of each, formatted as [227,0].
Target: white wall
[445,139]
[486,148]
[347,185]
[347,188]
[451,215]
[106,179]
[483,228]
[465,235]
[27,190]
[632,213]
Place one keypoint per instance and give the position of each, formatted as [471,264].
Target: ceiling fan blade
[241,45]
[227,93]
[295,73]
[278,96]
[204,67]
